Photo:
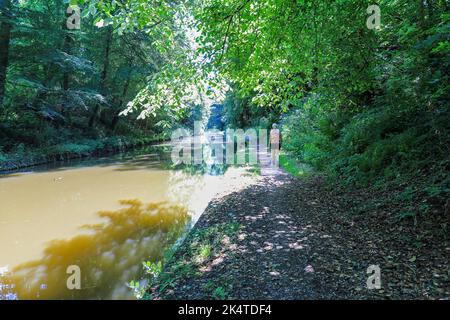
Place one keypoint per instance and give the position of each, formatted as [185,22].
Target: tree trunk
[66,47]
[421,13]
[104,75]
[116,118]
[5,37]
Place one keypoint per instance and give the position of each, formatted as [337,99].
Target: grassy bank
[22,157]
[203,244]
[292,166]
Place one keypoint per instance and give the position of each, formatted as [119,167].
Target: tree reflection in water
[109,255]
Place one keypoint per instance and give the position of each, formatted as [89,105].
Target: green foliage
[154,269]
[363,105]
[219,294]
[187,260]
[378,141]
[292,166]
[67,86]
[204,252]
[242,112]
[360,104]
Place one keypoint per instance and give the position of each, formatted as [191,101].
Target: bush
[377,142]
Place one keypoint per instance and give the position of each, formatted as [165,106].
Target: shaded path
[297,241]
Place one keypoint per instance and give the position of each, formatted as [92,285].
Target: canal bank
[76,150]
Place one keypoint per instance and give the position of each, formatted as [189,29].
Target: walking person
[275,139]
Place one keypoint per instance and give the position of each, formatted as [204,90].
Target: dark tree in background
[5,36]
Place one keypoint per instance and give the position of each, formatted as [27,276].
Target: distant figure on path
[275,137]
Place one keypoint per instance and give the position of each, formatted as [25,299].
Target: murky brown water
[107,218]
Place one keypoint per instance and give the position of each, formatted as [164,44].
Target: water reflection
[156,156]
[51,202]
[109,255]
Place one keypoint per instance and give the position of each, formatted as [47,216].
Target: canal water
[104,216]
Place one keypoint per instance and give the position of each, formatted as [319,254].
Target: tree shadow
[268,258]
